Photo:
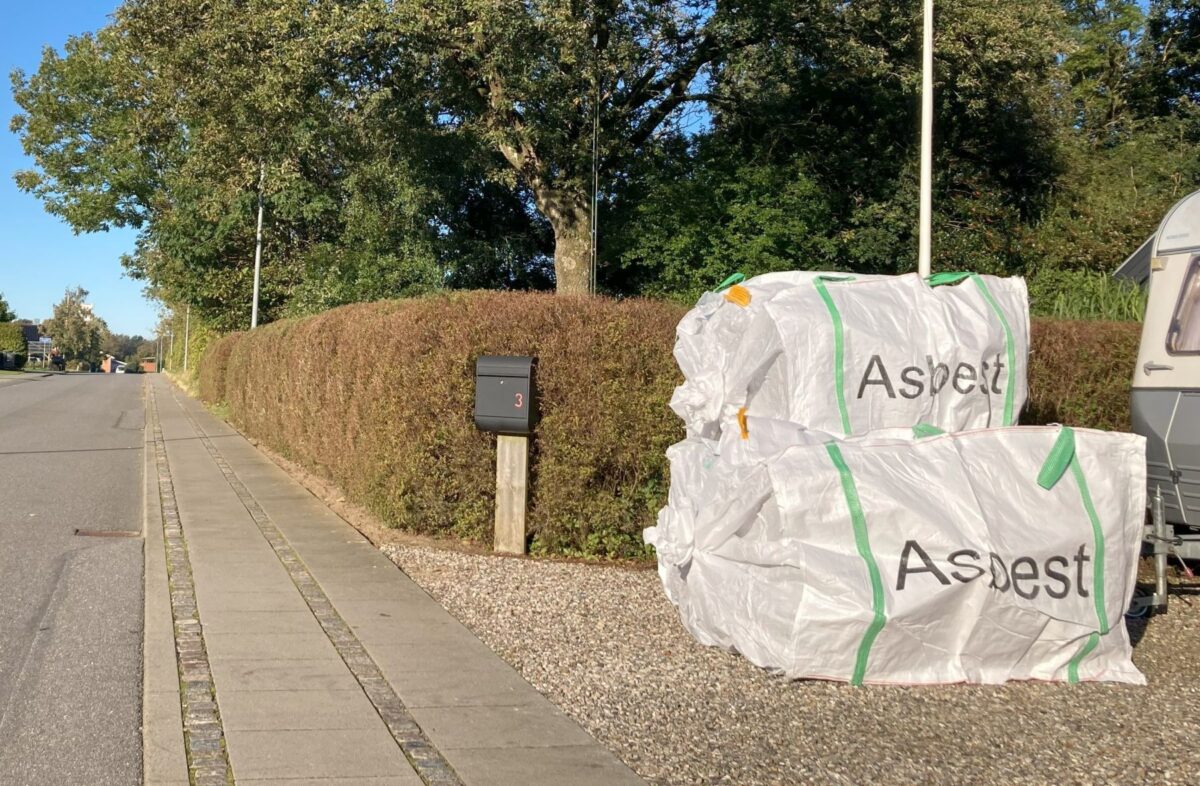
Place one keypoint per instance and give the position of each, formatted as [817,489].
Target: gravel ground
[606,646]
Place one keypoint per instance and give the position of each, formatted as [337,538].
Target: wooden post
[512,481]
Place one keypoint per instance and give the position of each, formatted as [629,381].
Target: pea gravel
[606,646]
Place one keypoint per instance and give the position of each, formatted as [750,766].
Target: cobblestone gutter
[203,735]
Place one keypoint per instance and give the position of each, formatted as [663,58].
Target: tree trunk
[569,214]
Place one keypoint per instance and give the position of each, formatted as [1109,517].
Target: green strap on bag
[736,278]
[1010,352]
[945,279]
[936,280]
[839,346]
[1062,457]
[863,544]
[923,430]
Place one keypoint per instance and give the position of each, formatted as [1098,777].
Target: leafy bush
[213,367]
[1080,372]
[13,340]
[377,397]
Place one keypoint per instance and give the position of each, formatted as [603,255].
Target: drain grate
[108,533]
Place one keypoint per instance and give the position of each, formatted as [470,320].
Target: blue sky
[40,257]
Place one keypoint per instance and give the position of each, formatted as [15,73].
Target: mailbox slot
[505,394]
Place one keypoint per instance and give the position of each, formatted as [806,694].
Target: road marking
[203,734]
[421,753]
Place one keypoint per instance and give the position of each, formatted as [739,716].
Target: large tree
[75,329]
[1169,81]
[538,81]
[401,146]
[176,117]
[6,314]
[812,161]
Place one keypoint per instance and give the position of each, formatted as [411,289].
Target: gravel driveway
[606,646]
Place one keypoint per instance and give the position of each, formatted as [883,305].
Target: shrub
[213,367]
[377,397]
[1080,372]
[12,339]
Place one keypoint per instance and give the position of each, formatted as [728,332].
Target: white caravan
[1165,400]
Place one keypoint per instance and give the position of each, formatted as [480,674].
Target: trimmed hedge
[1080,372]
[378,398]
[214,364]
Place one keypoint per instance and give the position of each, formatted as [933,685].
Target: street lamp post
[187,329]
[923,254]
[262,178]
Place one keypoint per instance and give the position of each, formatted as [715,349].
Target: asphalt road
[70,605]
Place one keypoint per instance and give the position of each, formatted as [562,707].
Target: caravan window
[1184,336]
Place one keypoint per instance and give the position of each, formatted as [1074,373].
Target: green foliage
[1082,294]
[812,160]
[538,81]
[75,329]
[402,148]
[84,122]
[6,313]
[174,117]
[120,345]
[1111,199]
[1169,80]
[1103,65]
[184,339]
[12,339]
[694,222]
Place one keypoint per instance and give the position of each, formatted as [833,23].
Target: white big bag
[908,556]
[851,354]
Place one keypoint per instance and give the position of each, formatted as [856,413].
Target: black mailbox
[505,395]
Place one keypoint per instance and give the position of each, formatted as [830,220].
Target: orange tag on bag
[738,295]
[742,423]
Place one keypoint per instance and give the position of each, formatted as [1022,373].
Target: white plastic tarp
[851,354]
[986,556]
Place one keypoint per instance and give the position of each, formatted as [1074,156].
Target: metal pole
[187,332]
[923,265]
[1161,544]
[262,177]
[595,183]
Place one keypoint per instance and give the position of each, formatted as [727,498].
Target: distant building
[31,329]
[110,365]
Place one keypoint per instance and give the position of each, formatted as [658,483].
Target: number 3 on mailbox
[505,394]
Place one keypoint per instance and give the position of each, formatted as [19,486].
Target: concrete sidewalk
[288,649]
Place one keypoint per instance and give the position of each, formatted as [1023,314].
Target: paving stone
[303,648]
[316,754]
